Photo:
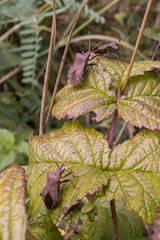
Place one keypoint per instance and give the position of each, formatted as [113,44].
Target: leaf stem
[114,217]
[115,118]
[48,68]
[137,45]
[62,63]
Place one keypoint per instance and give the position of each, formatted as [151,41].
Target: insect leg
[68,174]
[69,180]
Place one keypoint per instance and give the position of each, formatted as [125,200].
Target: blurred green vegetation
[25,34]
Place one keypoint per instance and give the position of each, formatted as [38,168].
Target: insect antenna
[96,46]
[121,44]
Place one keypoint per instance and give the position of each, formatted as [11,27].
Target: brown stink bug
[51,192]
[77,70]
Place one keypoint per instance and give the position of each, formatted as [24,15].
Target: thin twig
[10,31]
[48,69]
[155,51]
[136,46]
[120,134]
[10,74]
[62,63]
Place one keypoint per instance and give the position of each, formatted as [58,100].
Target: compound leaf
[131,170]
[93,94]
[13,218]
[135,173]
[141,105]
[97,93]
[90,158]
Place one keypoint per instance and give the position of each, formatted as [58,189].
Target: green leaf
[13,218]
[12,148]
[153,33]
[141,105]
[129,224]
[45,230]
[6,139]
[131,170]
[135,173]
[98,91]
[92,155]
[93,94]
[7,155]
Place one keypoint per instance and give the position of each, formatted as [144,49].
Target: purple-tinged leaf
[141,105]
[93,95]
[135,173]
[13,219]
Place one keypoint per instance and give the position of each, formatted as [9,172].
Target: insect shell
[77,70]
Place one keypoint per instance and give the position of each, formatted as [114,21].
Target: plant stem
[112,129]
[112,202]
[114,217]
[48,69]
[115,118]
[136,46]
[62,63]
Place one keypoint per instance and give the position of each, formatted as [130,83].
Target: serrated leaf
[13,219]
[135,174]
[132,169]
[93,95]
[92,155]
[141,105]
[98,91]
[103,227]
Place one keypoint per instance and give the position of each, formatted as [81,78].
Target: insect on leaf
[76,71]
[108,48]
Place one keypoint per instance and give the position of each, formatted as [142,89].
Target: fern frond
[30,44]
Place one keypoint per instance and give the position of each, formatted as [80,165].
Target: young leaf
[13,219]
[141,105]
[131,170]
